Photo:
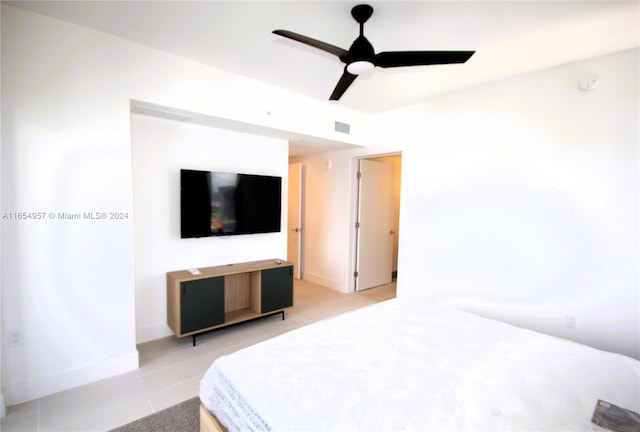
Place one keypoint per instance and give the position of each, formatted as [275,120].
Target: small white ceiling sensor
[589,82]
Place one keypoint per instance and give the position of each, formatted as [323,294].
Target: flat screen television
[224,204]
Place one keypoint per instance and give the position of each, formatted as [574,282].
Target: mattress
[398,365]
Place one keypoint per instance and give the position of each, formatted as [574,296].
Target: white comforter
[401,366]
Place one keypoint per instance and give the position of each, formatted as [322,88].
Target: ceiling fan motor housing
[361,55]
[361,50]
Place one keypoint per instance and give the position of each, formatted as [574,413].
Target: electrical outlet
[15,338]
[571,321]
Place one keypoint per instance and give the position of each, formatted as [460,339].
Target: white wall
[519,201]
[160,149]
[69,285]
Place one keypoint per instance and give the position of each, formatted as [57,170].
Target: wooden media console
[212,297]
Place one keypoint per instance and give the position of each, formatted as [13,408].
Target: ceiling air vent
[342,127]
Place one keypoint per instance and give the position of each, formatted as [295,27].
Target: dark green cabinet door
[277,288]
[202,304]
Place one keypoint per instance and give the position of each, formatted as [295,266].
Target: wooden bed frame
[209,422]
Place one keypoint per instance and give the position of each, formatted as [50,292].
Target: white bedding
[402,366]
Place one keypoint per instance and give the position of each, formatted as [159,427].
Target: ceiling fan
[361,58]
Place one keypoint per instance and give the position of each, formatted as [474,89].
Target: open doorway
[377,220]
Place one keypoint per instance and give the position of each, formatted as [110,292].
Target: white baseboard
[45,386]
[335,285]
[149,333]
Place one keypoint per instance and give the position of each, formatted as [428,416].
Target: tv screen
[223,204]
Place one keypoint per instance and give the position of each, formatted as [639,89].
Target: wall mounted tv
[224,204]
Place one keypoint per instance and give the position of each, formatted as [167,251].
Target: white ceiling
[510,38]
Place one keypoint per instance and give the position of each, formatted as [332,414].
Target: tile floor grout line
[144,391]
[173,364]
[174,385]
[39,414]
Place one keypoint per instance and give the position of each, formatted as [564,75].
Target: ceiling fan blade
[332,49]
[387,59]
[345,81]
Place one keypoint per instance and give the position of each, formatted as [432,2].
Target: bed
[398,365]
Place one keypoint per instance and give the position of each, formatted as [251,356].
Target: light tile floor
[171,368]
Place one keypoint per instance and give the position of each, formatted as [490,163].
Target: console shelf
[223,295]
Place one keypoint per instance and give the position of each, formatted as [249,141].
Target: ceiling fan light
[360,67]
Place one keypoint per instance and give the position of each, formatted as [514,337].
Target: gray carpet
[183,417]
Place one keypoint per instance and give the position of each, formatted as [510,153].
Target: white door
[374,252]
[294,224]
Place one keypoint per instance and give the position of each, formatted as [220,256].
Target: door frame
[353,234]
[299,265]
